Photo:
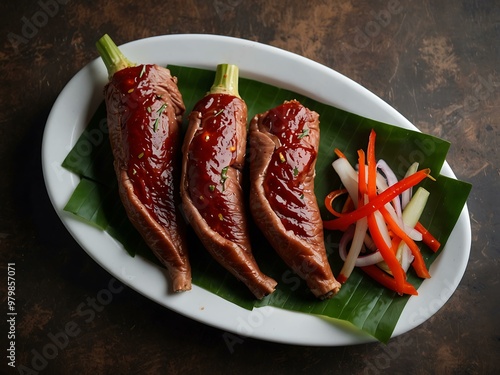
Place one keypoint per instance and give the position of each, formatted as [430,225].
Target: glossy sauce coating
[292,160]
[212,154]
[151,146]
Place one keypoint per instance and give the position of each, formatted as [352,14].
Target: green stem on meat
[226,80]
[111,55]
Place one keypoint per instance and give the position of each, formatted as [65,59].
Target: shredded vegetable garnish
[380,200]
[331,197]
[380,220]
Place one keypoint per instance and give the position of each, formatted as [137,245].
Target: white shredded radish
[357,235]
[348,177]
[406,195]
[414,234]
[406,257]
[360,260]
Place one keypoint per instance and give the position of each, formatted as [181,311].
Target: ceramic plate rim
[81,96]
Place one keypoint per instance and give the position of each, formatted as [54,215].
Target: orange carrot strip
[339,153]
[372,166]
[418,263]
[388,254]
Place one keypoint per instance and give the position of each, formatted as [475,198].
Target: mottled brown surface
[436,62]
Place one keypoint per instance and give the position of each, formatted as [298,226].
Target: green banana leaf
[361,302]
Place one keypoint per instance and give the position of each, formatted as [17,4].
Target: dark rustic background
[437,64]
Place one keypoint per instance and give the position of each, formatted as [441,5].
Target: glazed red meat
[213,157]
[284,143]
[144,110]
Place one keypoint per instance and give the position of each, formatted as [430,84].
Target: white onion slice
[361,260]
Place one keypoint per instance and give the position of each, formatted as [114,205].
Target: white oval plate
[80,98]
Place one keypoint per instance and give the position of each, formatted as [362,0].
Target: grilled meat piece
[213,201]
[284,143]
[144,112]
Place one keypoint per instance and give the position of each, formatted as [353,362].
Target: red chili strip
[428,238]
[388,281]
[388,254]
